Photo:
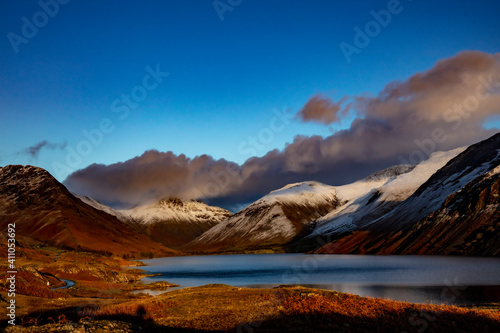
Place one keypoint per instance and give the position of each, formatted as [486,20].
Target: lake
[418,279]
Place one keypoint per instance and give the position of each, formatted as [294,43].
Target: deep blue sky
[225,77]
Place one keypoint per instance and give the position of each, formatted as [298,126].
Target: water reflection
[434,279]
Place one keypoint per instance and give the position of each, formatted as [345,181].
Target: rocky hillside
[174,222]
[43,209]
[456,211]
[388,189]
[274,220]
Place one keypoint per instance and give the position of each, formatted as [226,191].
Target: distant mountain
[174,222]
[293,213]
[362,215]
[385,190]
[43,209]
[274,220]
[456,211]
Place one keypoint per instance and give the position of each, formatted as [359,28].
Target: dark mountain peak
[175,201]
[171,201]
[456,211]
[43,209]
[477,155]
[14,173]
[392,171]
[27,185]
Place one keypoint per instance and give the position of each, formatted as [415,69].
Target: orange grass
[149,311]
[30,285]
[293,308]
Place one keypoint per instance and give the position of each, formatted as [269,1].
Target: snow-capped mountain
[273,220]
[382,192]
[292,212]
[174,222]
[474,162]
[296,215]
[177,211]
[455,211]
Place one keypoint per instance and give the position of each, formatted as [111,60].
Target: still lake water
[419,279]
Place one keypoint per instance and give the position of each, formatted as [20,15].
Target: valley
[445,205]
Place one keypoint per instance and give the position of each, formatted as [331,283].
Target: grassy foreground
[101,301]
[221,308]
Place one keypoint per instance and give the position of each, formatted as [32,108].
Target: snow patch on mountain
[176,211]
[309,192]
[368,200]
[275,218]
[253,225]
[405,185]
[473,162]
[100,206]
[165,210]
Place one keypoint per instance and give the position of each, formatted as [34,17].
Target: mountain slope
[43,209]
[174,222]
[273,220]
[456,211]
[288,214]
[398,186]
[100,206]
[475,161]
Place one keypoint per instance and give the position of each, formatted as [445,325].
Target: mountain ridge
[456,211]
[43,209]
[170,221]
[273,220]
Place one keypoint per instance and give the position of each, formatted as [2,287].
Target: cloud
[147,177]
[34,150]
[439,109]
[323,110]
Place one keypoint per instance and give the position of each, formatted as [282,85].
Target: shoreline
[431,291]
[102,297]
[222,307]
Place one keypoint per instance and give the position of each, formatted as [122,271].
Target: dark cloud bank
[439,109]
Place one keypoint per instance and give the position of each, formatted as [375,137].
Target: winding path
[69,283]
